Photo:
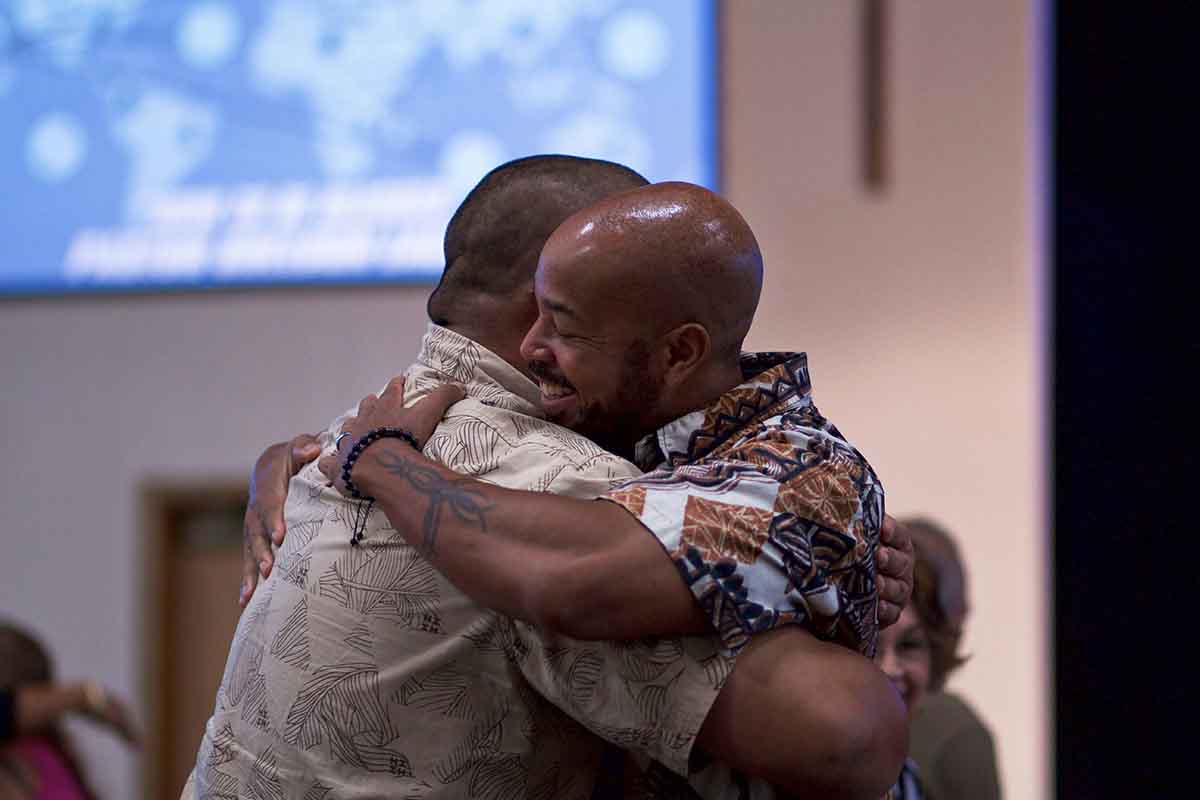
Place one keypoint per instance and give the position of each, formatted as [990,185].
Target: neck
[700,391]
[504,344]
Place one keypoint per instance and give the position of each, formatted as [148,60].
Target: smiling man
[357,667]
[769,516]
[762,506]
[644,304]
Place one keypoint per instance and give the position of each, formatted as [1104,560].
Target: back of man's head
[494,238]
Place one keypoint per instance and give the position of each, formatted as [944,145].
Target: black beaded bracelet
[366,440]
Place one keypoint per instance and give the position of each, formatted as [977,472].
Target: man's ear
[686,349]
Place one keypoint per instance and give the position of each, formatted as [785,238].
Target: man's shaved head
[644,299]
[673,253]
[493,240]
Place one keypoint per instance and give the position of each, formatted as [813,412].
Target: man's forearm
[588,569]
[582,568]
[811,717]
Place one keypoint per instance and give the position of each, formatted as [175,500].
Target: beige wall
[102,395]
[916,305]
[915,308]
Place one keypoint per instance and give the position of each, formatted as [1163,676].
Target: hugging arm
[589,568]
[522,576]
[582,568]
[546,559]
[810,717]
[586,569]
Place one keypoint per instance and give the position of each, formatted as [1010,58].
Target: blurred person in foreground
[426,693]
[951,754]
[37,759]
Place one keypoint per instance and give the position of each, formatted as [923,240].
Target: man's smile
[557,394]
[557,398]
[554,389]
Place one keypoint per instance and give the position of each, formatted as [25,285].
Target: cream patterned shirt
[360,672]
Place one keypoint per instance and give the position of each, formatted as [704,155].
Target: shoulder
[947,711]
[519,451]
[815,469]
[588,480]
[944,720]
[796,439]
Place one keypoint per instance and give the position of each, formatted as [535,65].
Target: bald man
[650,696]
[756,501]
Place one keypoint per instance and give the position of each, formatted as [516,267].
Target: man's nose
[532,346]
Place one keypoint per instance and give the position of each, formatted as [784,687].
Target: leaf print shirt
[360,672]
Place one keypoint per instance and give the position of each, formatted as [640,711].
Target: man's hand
[388,411]
[894,561]
[263,523]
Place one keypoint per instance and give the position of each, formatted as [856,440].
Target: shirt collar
[486,376]
[772,383]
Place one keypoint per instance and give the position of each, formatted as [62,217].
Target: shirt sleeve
[598,477]
[649,696]
[781,529]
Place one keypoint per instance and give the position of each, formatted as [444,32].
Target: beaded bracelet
[366,440]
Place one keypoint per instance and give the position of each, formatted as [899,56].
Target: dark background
[1126,363]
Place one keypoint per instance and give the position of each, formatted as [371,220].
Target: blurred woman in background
[36,757]
[952,756]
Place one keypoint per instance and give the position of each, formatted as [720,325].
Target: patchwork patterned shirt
[770,515]
[360,672]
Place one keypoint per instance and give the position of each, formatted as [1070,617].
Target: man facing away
[474,669]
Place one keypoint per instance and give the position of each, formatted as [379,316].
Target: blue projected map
[148,143]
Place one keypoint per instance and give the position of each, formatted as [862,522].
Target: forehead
[576,279]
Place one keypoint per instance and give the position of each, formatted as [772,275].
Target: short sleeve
[593,480]
[649,696]
[781,529]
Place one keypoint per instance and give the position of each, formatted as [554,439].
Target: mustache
[540,370]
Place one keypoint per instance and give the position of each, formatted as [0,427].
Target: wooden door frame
[162,505]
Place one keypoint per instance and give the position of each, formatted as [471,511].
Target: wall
[103,395]
[915,307]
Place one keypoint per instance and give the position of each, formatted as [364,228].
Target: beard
[618,424]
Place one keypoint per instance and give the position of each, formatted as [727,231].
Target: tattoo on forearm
[466,503]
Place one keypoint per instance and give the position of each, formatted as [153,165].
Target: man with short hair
[770,517]
[768,513]
[654,697]
[357,670]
